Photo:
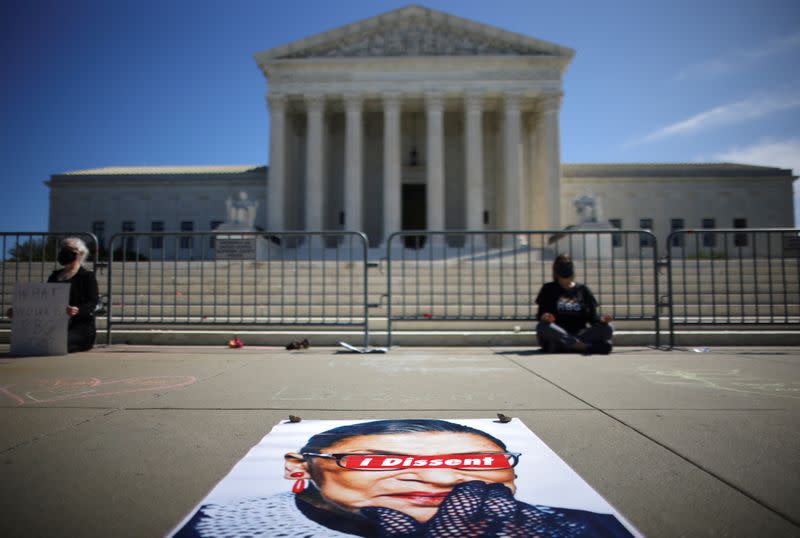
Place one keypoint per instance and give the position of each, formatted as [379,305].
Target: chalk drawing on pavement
[62,389]
[725,380]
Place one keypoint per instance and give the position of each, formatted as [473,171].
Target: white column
[434,112]
[474,161]
[551,158]
[537,197]
[392,190]
[353,168]
[512,153]
[314,162]
[276,179]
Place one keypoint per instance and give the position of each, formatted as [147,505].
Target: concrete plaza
[125,440]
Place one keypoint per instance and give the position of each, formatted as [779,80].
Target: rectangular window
[187,226]
[157,242]
[709,239]
[616,239]
[677,224]
[740,239]
[213,225]
[130,242]
[646,240]
[99,231]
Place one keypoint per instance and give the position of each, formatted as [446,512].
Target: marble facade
[417,119]
[414,97]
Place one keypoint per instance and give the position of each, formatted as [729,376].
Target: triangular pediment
[414,31]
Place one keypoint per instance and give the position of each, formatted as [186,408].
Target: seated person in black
[567,314]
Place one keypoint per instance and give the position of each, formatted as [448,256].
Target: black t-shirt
[574,308]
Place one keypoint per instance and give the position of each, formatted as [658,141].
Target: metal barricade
[31,257]
[496,275]
[733,276]
[239,278]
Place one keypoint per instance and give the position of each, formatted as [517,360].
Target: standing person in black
[83,294]
[567,314]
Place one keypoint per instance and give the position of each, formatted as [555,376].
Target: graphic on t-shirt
[568,304]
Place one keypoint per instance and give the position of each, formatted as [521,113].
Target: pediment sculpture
[415,38]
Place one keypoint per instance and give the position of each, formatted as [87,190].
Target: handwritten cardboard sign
[39,325]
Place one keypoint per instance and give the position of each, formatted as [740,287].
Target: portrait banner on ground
[39,325]
[403,478]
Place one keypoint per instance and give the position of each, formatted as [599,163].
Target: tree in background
[43,249]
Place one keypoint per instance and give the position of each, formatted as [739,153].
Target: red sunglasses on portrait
[478,461]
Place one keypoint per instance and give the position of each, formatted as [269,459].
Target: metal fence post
[389,289]
[750,255]
[670,291]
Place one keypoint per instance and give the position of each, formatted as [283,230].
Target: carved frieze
[316,77]
[415,37]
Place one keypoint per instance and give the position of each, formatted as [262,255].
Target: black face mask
[66,256]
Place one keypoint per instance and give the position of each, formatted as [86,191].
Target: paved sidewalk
[123,441]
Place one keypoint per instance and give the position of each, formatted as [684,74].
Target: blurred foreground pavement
[124,441]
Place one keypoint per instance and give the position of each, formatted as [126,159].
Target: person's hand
[10,313]
[547,317]
[606,318]
[472,510]
[72,311]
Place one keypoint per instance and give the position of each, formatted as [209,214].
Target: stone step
[425,271]
[328,338]
[434,310]
[426,286]
[421,270]
[378,323]
[260,295]
[520,260]
[466,297]
[441,285]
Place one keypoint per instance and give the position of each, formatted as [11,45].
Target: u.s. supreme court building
[417,119]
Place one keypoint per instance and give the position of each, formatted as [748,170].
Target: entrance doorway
[414,214]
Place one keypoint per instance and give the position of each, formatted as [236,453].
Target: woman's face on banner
[415,491]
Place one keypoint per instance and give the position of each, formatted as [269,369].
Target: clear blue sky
[92,83]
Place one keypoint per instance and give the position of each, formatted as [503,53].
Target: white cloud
[783,154]
[741,111]
[741,58]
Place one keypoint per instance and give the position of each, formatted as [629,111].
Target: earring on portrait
[299,484]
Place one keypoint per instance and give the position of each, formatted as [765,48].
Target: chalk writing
[56,390]
[731,380]
[294,393]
